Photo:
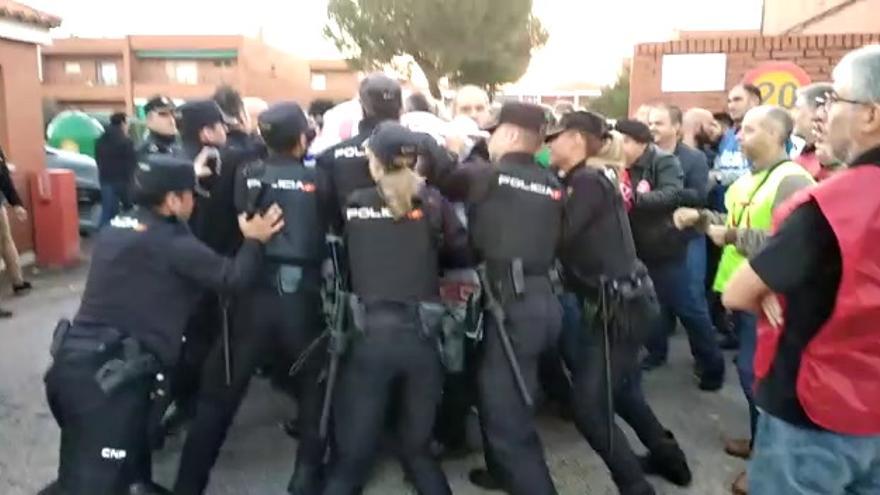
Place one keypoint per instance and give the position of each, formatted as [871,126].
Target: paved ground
[258,458]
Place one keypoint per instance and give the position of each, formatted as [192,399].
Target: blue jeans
[681,295]
[745,326]
[110,202]
[791,460]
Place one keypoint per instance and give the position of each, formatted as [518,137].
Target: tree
[614,100]
[483,42]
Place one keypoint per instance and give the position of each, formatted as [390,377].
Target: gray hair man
[817,372]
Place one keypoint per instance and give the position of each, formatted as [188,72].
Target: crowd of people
[398,272]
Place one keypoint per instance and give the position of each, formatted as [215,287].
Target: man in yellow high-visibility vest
[750,203]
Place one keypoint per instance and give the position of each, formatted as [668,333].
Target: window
[229,62]
[107,74]
[319,82]
[183,72]
[72,68]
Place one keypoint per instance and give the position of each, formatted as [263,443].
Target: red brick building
[120,74]
[22,31]
[797,44]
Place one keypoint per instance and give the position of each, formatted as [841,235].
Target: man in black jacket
[240,141]
[8,251]
[116,159]
[665,122]
[653,188]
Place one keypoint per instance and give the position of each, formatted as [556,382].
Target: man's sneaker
[738,447]
[22,288]
[483,479]
[5,313]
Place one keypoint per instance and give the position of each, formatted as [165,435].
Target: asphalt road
[258,459]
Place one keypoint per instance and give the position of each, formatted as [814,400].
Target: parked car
[88,186]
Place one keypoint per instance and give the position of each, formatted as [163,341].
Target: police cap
[380,95]
[525,115]
[157,103]
[636,130]
[394,145]
[197,114]
[581,121]
[158,174]
[282,124]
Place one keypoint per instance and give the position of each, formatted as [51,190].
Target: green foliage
[614,100]
[483,42]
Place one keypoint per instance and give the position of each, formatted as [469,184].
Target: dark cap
[525,115]
[158,102]
[380,95]
[197,114]
[636,130]
[581,121]
[282,124]
[394,145]
[163,173]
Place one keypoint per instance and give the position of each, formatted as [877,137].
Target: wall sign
[694,72]
[778,81]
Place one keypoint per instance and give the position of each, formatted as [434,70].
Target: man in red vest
[817,285]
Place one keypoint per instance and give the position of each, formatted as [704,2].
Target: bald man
[750,201]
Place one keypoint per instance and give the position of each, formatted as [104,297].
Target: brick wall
[816,55]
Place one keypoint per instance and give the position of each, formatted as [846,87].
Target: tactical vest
[294,188]
[838,382]
[749,203]
[520,217]
[390,260]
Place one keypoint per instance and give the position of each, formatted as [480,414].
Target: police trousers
[513,450]
[101,434]
[265,322]
[585,357]
[391,352]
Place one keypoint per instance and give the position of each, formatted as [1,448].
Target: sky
[588,38]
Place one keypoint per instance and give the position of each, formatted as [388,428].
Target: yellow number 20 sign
[778,81]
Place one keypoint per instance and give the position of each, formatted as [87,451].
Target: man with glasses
[815,284]
[161,135]
[809,99]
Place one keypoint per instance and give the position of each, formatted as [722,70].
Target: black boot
[667,460]
[484,479]
[51,489]
[641,488]
[147,488]
[306,480]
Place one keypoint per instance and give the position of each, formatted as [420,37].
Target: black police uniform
[394,267]
[154,142]
[282,313]
[515,215]
[598,255]
[346,163]
[214,222]
[145,277]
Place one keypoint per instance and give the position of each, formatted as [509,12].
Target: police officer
[395,233]
[127,333]
[600,266]
[283,311]
[515,214]
[346,163]
[203,135]
[161,127]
